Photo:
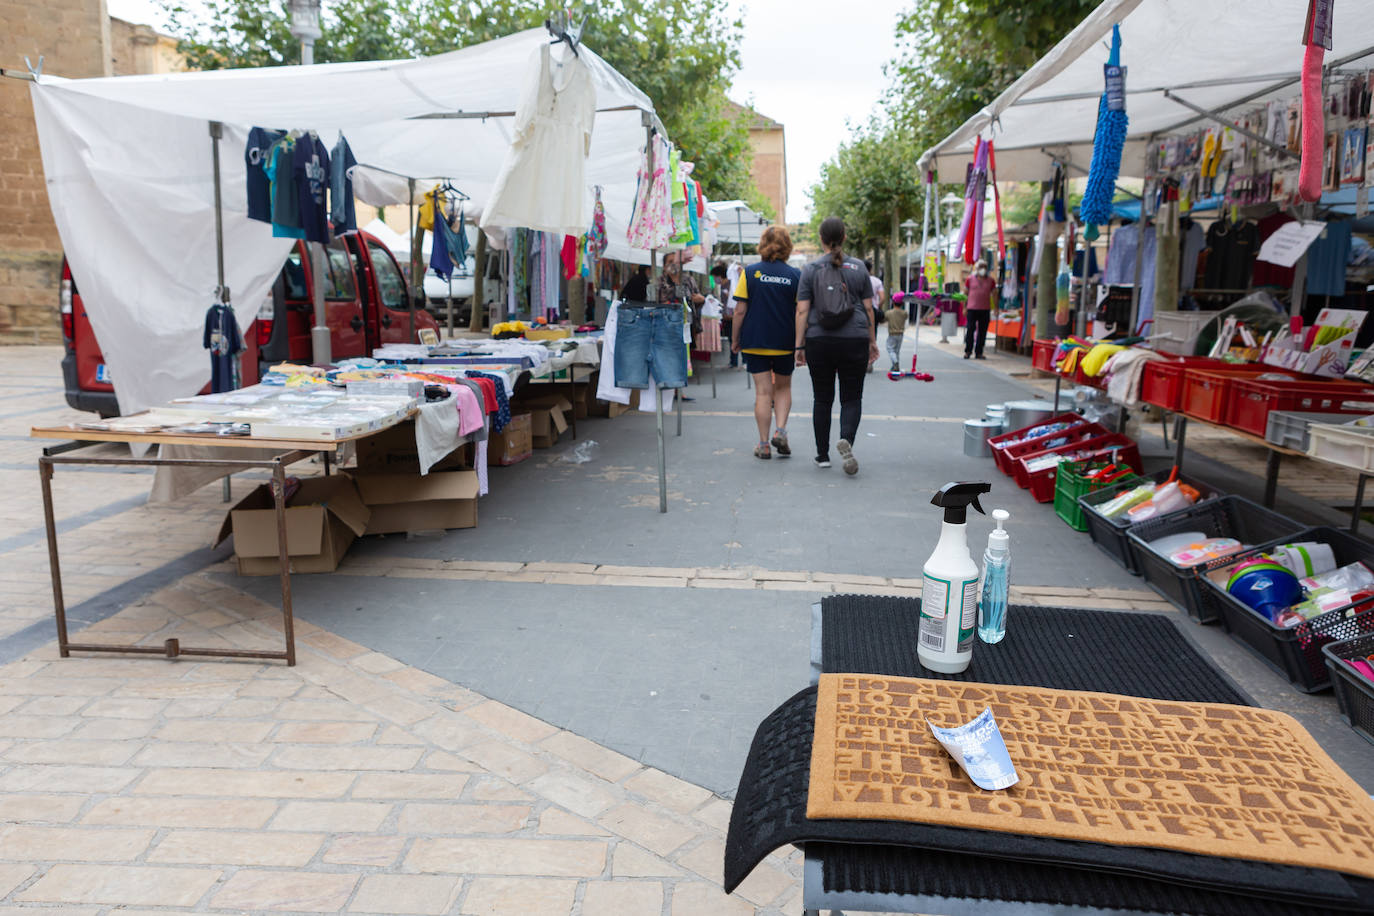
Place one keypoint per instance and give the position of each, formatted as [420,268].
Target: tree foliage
[682,55]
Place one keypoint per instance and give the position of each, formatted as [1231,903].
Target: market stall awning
[738,223]
[1217,55]
[130,178]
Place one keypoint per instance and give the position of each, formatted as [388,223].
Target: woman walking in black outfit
[835,340]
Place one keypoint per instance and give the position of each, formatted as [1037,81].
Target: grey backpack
[831,298]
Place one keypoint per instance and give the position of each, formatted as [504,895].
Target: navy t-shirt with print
[311,168]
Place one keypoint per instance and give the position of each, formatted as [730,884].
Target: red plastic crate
[1161,381]
[1000,442]
[1251,400]
[1206,393]
[1121,447]
[1006,458]
[1042,354]
[1076,436]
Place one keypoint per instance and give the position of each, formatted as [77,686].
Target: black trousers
[976,330]
[727,329]
[828,359]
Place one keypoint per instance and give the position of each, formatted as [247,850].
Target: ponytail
[832,236]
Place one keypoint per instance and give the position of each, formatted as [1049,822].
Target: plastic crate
[1226,516]
[1296,652]
[1003,441]
[1114,446]
[1291,429]
[1042,355]
[1354,692]
[1161,381]
[1078,434]
[1206,392]
[1348,446]
[1251,400]
[1109,534]
[1176,332]
[1070,485]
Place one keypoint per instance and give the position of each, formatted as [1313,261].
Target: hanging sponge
[1109,142]
[1313,124]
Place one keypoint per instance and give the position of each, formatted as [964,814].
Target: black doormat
[1135,654]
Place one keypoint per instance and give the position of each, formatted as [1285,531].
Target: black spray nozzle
[955,498]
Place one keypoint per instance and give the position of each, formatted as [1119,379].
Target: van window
[340,273]
[293,276]
[390,283]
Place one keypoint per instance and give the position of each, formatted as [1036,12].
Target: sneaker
[851,464]
[822,461]
[968,356]
[780,443]
[980,356]
[761,451]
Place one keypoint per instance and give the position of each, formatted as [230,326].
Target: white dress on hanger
[542,183]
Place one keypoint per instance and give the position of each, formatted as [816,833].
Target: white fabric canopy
[1217,54]
[130,178]
[738,223]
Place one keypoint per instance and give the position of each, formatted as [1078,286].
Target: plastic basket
[1292,428]
[1003,441]
[1109,534]
[1296,652]
[1042,355]
[1161,381]
[1176,332]
[1206,392]
[1112,446]
[1226,516]
[1354,693]
[1348,446]
[1252,400]
[1075,435]
[1071,485]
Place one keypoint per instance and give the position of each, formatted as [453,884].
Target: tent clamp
[1227,122]
[1064,161]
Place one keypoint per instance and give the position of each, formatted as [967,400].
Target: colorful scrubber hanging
[1316,36]
[1109,141]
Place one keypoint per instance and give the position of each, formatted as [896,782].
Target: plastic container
[1226,516]
[1076,434]
[1114,446]
[1109,534]
[1296,652]
[1071,485]
[993,593]
[1161,381]
[1348,446]
[1354,694]
[1042,355]
[1179,330]
[1251,400]
[1206,392]
[1291,429]
[1000,443]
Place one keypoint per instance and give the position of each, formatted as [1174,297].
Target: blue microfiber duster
[1108,143]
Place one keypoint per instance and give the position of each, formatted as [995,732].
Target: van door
[343,310]
[394,314]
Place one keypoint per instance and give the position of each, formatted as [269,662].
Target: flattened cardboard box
[325,516]
[409,502]
[512,444]
[548,417]
[393,451]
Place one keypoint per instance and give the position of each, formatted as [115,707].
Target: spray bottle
[949,592]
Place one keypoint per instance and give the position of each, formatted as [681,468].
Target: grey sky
[810,64]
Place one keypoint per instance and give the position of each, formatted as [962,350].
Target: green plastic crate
[1071,483]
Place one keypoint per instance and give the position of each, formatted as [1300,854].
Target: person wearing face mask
[979,311]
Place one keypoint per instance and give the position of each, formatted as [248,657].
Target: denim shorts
[650,339]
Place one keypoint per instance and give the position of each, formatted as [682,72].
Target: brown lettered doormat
[1203,778]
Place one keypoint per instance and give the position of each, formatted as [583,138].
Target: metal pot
[1020,414]
[976,434]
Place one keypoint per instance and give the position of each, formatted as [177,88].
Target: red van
[366,305]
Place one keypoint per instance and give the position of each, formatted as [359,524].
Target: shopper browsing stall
[979,287]
[764,327]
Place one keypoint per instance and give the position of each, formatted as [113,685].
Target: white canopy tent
[128,162]
[738,223]
[1216,55]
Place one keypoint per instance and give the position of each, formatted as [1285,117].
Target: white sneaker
[821,462]
[851,464]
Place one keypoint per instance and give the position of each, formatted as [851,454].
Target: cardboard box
[409,502]
[548,333]
[511,445]
[393,451]
[548,417]
[324,517]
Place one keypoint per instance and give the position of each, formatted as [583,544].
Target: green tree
[682,55]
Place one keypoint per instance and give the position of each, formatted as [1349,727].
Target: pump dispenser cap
[956,497]
[999,541]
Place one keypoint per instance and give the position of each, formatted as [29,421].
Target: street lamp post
[305,26]
[909,226]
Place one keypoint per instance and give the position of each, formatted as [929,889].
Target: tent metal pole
[652,296]
[417,287]
[221,292]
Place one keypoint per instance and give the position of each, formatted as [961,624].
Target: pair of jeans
[976,330]
[829,359]
[650,340]
[894,350]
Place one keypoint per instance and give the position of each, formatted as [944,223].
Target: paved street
[545,714]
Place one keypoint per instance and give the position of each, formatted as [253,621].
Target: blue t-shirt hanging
[286,206]
[311,171]
[224,342]
[260,141]
[341,164]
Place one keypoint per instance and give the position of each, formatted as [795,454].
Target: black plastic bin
[1225,516]
[1354,694]
[1296,652]
[1109,534]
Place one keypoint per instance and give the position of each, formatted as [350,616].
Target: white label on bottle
[934,598]
[970,616]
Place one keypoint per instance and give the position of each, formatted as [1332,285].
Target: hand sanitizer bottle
[992,606]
